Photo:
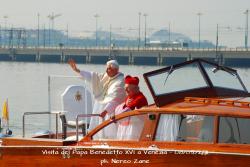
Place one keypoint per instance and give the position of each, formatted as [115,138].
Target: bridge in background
[127,55]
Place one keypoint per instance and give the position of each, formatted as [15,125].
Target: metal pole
[49,100]
[199,15]
[86,107]
[145,15]
[217,41]
[38,20]
[199,30]
[5,28]
[11,37]
[110,40]
[67,35]
[246,29]
[0,36]
[77,128]
[57,126]
[7,115]
[139,40]
[96,26]
[169,37]
[49,30]
[44,36]
[23,125]
[53,30]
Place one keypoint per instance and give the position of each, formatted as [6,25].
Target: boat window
[129,128]
[218,74]
[234,130]
[178,79]
[188,128]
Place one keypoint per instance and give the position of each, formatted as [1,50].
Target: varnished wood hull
[79,156]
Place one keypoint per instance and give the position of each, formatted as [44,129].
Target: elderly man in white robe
[108,92]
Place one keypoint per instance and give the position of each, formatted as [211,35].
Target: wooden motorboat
[200,117]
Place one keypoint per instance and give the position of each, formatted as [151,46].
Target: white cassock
[108,92]
[129,128]
[168,128]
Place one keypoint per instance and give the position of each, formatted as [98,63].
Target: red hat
[131,80]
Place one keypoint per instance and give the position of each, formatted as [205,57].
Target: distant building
[173,44]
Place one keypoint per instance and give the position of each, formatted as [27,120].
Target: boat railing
[57,113]
[84,116]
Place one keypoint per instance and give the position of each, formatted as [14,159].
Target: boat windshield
[190,77]
[178,79]
[223,77]
[195,78]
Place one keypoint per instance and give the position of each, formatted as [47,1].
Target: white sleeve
[86,75]
[110,107]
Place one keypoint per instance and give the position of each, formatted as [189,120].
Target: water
[26,87]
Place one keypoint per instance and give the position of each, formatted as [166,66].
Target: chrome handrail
[84,115]
[38,113]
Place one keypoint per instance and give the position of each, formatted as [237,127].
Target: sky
[123,15]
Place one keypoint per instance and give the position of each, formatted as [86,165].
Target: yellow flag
[5,111]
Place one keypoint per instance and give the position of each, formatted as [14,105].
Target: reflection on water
[26,87]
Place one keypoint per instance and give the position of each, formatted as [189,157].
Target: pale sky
[181,14]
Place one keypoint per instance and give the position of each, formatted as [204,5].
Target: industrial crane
[52,18]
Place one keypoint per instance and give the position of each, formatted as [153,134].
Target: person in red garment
[128,128]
